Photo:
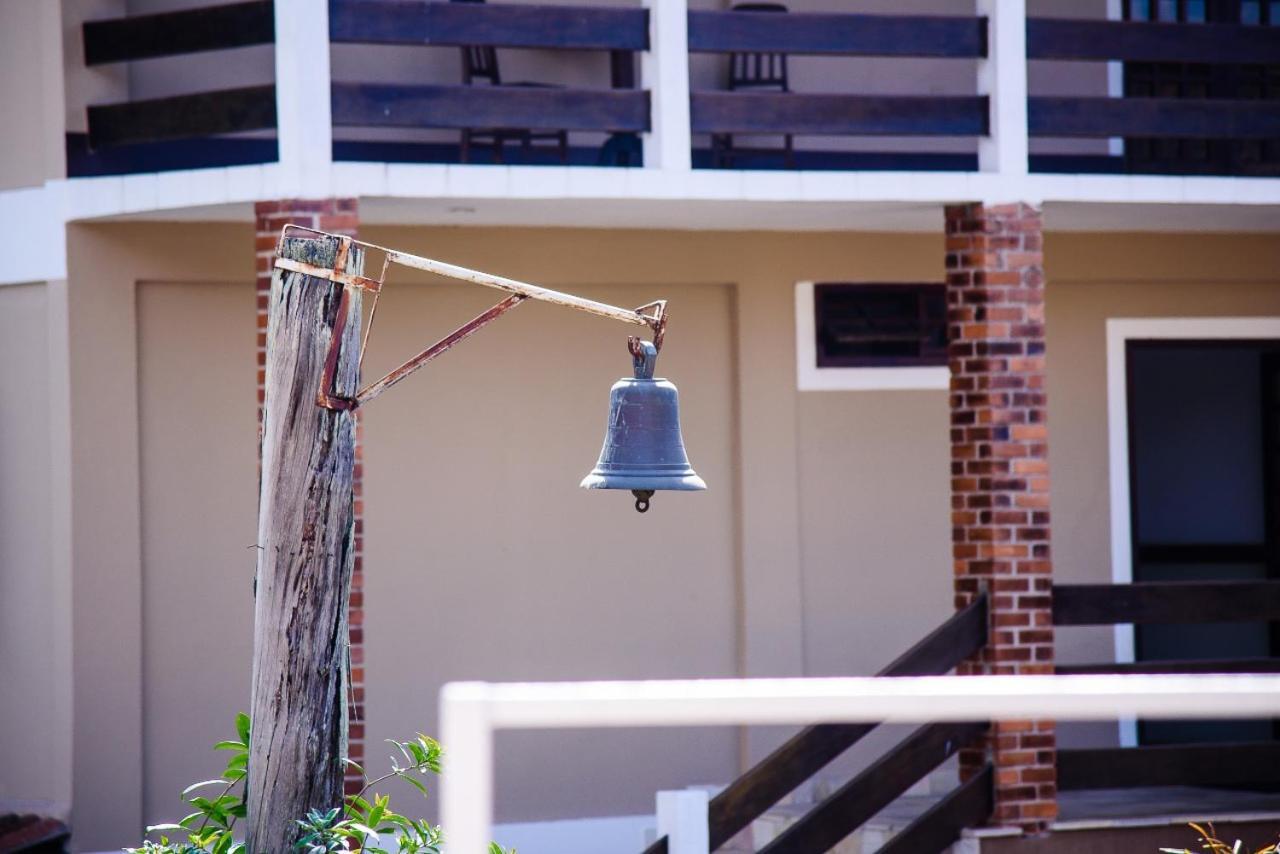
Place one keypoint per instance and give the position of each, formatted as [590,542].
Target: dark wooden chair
[480,68]
[759,72]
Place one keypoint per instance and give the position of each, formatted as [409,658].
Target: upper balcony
[976,96]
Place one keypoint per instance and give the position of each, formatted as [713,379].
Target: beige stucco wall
[822,547]
[31,147]
[33,738]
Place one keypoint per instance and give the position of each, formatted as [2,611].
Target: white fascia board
[33,221]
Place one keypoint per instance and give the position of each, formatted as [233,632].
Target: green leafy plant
[1209,842]
[364,823]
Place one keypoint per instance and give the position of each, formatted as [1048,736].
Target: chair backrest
[479,62]
[754,70]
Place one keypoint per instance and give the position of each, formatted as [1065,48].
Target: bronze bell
[643,449]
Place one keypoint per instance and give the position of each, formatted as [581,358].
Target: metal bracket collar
[652,315]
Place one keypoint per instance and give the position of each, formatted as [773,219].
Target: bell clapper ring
[642,499]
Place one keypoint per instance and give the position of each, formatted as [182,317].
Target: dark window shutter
[880,325]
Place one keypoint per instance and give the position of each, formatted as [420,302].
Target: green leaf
[242,727]
[417,784]
[217,782]
[152,828]
[231,745]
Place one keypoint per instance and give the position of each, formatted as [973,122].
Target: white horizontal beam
[471,711]
[711,702]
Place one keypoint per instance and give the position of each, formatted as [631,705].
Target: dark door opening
[1204,470]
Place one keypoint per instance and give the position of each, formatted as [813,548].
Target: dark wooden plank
[659,846]
[172,33]
[814,747]
[968,805]
[1140,41]
[535,108]
[1217,764]
[1184,665]
[850,806]
[1165,602]
[497,24]
[837,34]
[1153,117]
[1202,553]
[784,112]
[183,116]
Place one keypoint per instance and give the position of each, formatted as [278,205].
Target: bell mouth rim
[687,482]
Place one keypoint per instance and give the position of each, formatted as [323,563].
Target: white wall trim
[809,377]
[1119,332]
[303,127]
[1002,77]
[664,72]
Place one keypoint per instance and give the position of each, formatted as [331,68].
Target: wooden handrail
[1165,602]
[1205,665]
[183,116]
[1143,41]
[1199,118]
[831,114]
[819,34]
[175,33]
[850,806]
[968,805]
[814,747]
[418,22]
[1217,764]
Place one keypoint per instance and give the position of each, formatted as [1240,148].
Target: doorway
[1203,471]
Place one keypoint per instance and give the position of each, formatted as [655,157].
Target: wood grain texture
[819,34]
[1165,602]
[968,805]
[1142,41]
[173,33]
[1198,118]
[854,803]
[810,750]
[838,115]
[1217,764]
[305,538]
[183,116]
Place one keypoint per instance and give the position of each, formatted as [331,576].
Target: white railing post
[682,818]
[664,72]
[466,791]
[1002,77]
[304,128]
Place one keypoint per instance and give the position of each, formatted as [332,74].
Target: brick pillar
[1000,481]
[339,216]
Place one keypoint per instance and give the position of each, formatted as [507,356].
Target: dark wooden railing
[814,747]
[838,35]
[1169,602]
[176,33]
[133,134]
[1183,118]
[621,31]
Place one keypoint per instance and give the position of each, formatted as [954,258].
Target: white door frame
[1119,332]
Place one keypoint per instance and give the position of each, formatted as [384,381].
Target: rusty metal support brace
[652,315]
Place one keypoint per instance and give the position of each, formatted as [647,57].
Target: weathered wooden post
[306,540]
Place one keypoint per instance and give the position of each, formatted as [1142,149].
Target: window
[853,336]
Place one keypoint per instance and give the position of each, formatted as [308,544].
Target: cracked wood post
[306,546]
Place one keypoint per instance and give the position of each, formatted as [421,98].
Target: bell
[643,450]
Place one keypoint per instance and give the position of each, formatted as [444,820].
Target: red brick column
[1000,480]
[339,216]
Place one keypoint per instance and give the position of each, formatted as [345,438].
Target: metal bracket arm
[652,315]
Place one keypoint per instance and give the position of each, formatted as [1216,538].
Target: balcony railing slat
[183,116]
[1153,117]
[1078,39]
[416,22]
[1165,602]
[786,112]
[534,108]
[174,33]
[1184,665]
[1216,764]
[838,35]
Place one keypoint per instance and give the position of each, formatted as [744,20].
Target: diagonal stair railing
[814,747]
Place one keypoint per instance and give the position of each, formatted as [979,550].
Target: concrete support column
[338,216]
[1000,480]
